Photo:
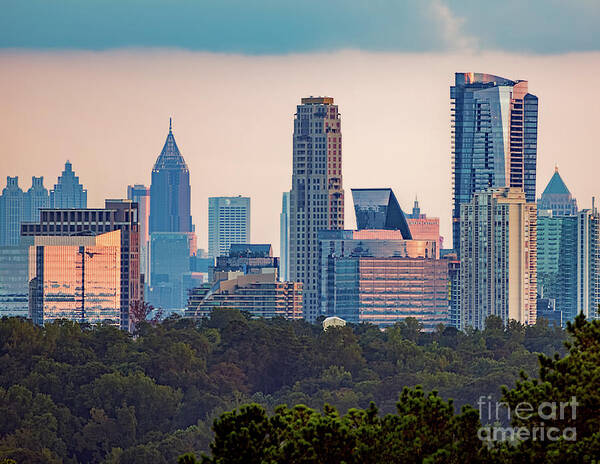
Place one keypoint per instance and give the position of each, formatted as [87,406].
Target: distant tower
[11,212]
[170,191]
[68,192]
[317,195]
[557,198]
[36,197]
[228,224]
[494,138]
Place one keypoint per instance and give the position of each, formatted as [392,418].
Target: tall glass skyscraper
[228,223]
[494,138]
[68,192]
[170,191]
[317,195]
[141,195]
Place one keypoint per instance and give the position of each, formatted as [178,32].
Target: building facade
[284,238]
[494,139]
[228,223]
[169,261]
[140,194]
[498,269]
[14,280]
[68,192]
[117,215]
[423,227]
[76,278]
[243,259]
[17,206]
[170,191]
[261,295]
[317,195]
[380,277]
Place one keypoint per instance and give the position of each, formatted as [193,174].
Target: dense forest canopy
[71,393]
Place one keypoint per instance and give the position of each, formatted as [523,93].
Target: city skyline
[65,129]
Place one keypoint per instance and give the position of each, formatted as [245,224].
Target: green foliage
[71,393]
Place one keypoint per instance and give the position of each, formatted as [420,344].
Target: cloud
[271,27]
[452,28]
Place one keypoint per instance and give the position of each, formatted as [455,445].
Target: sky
[95,82]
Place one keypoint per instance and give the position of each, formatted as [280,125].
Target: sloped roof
[170,157]
[556,186]
[379,209]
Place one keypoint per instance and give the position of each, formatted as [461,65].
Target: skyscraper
[17,206]
[557,198]
[317,195]
[68,192]
[36,198]
[169,261]
[494,138]
[11,212]
[170,191]
[228,223]
[141,195]
[498,262]
[284,238]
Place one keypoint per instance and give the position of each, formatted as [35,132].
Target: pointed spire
[555,167]
[170,157]
[170,126]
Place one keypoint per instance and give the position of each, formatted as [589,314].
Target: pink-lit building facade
[76,278]
[378,276]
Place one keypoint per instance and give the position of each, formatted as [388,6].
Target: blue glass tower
[68,192]
[170,191]
[494,138]
[378,209]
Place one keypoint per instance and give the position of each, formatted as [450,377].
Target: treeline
[80,394]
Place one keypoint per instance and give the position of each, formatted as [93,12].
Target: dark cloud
[284,26]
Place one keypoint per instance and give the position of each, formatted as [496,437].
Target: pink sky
[108,113]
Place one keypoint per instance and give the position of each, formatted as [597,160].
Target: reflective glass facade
[170,191]
[228,223]
[494,138]
[379,277]
[14,278]
[76,278]
[379,209]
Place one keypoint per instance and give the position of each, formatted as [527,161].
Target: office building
[14,280]
[557,198]
[494,139]
[423,227]
[228,223]
[284,238]
[68,192]
[169,262]
[498,262]
[76,278]
[454,313]
[380,277]
[116,215]
[170,191]
[140,194]
[243,259]
[36,198]
[317,195]
[12,212]
[17,206]
[261,295]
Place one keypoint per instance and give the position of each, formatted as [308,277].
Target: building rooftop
[317,101]
[556,186]
[170,157]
